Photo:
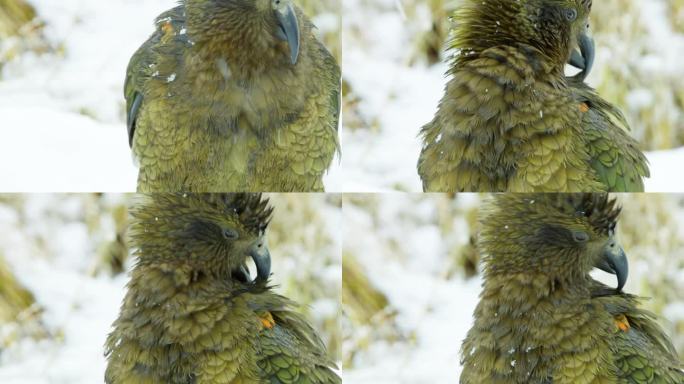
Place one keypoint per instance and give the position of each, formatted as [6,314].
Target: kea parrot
[193,314]
[542,318]
[233,96]
[511,120]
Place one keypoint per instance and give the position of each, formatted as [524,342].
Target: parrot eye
[570,14]
[230,234]
[580,237]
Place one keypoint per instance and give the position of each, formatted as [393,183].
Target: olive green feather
[232,96]
[542,318]
[192,314]
[510,120]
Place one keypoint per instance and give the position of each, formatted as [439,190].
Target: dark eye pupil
[571,14]
[230,234]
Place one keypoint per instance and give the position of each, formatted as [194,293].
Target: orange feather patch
[622,322]
[267,320]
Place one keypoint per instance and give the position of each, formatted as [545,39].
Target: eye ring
[230,234]
[580,236]
[570,14]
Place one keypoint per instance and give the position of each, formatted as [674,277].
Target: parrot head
[254,23]
[215,234]
[582,45]
[559,29]
[562,236]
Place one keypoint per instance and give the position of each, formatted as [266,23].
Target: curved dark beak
[614,261]
[289,30]
[584,58]
[262,260]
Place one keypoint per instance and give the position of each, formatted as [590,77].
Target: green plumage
[192,314]
[510,120]
[233,96]
[615,156]
[541,318]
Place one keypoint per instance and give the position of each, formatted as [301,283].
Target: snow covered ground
[53,253]
[440,322]
[433,310]
[398,94]
[63,114]
[79,308]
